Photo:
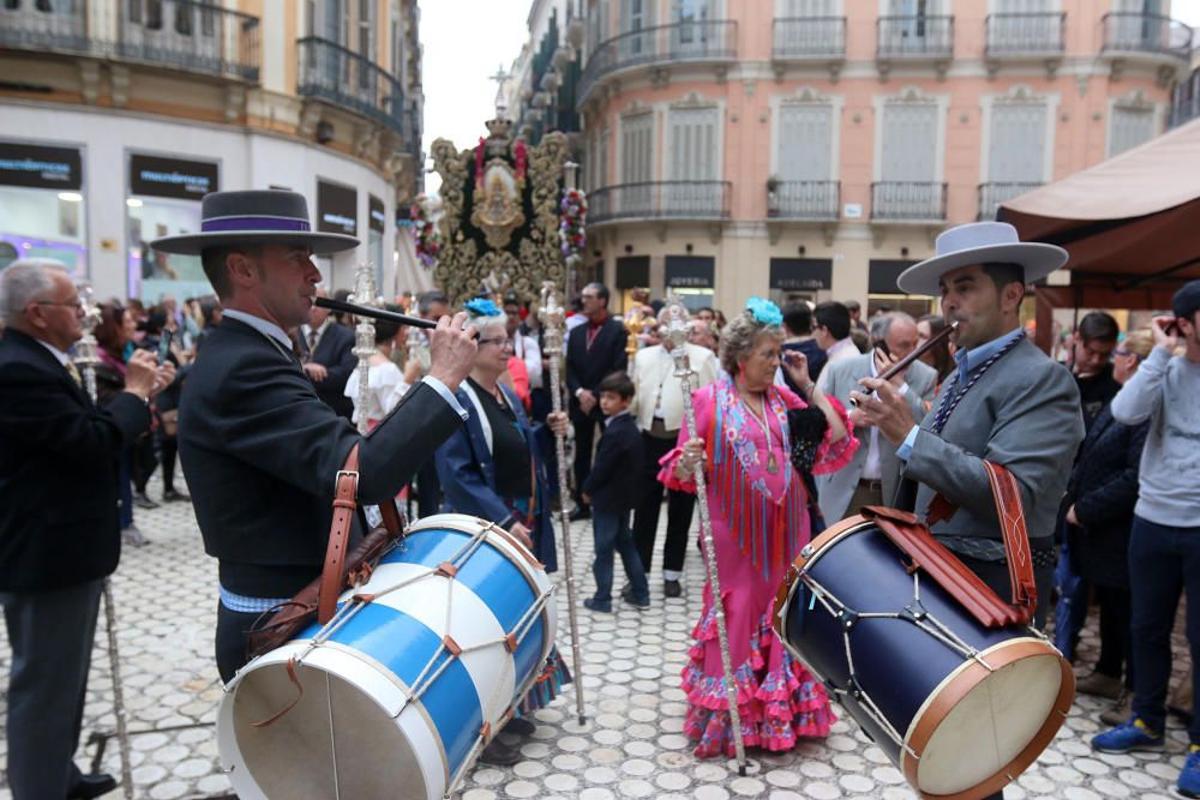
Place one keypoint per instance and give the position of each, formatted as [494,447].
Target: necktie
[74,373]
[312,340]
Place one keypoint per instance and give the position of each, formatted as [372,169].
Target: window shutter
[1017,148]
[1129,127]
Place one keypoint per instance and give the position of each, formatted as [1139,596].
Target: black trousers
[585,441]
[1116,645]
[169,449]
[680,506]
[232,627]
[145,461]
[51,634]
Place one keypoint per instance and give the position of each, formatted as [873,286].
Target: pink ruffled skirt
[779,700]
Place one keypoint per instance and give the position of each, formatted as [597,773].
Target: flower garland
[425,235]
[572,225]
[520,162]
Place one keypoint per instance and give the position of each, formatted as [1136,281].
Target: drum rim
[957,685]
[280,655]
[791,579]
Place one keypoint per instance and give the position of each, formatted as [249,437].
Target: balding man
[327,356]
[59,532]
[872,477]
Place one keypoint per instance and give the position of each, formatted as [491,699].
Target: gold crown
[498,128]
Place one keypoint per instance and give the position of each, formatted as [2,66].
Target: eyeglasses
[76,304]
[498,340]
[1124,353]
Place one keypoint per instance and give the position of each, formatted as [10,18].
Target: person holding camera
[1164,543]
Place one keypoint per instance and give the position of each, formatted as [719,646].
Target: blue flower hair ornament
[764,311]
[482,307]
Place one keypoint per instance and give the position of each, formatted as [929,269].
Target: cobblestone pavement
[631,746]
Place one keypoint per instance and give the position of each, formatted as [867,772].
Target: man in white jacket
[658,408]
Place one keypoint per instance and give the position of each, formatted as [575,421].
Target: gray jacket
[1023,414]
[835,490]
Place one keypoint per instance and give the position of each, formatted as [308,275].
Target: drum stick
[87,357]
[903,364]
[677,332]
[553,318]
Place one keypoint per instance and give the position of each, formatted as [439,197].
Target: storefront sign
[377,214]
[690,272]
[801,274]
[40,167]
[337,209]
[153,176]
[633,272]
[882,275]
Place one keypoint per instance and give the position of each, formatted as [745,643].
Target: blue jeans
[1163,562]
[611,532]
[1070,614]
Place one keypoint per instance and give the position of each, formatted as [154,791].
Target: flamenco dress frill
[760,522]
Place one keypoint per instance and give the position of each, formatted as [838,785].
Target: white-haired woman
[750,434]
[491,469]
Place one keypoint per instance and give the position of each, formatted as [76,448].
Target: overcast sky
[464,42]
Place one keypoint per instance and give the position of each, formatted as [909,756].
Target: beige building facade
[116,116]
[815,148]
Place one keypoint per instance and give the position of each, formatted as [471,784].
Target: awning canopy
[1131,224]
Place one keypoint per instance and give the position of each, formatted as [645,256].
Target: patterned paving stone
[631,745]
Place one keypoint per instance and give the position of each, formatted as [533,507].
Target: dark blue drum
[961,709]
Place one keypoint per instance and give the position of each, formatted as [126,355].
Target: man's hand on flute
[452,350]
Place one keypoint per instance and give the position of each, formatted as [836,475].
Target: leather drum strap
[391,518]
[344,505]
[1007,495]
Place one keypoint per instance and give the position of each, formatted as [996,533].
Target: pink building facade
[814,148]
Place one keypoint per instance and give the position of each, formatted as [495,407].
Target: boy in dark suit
[612,489]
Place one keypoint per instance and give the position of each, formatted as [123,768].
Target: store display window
[42,209]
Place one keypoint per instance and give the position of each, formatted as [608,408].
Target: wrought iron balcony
[177,34]
[915,37]
[343,78]
[802,38]
[1025,34]
[1134,32]
[682,42]
[694,200]
[991,195]
[908,201]
[811,200]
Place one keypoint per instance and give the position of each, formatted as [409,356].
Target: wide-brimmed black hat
[261,216]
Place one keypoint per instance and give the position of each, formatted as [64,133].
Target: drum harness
[448,649]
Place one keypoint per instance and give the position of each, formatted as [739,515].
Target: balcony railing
[809,37]
[912,201]
[197,37]
[178,34]
[815,200]
[1134,32]
[703,200]
[1025,34]
[991,195]
[342,77]
[691,41]
[915,36]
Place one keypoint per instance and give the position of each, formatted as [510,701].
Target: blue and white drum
[402,689]
[961,709]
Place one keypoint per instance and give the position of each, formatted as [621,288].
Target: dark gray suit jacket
[835,490]
[1023,414]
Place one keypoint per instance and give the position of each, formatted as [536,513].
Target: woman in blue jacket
[490,468]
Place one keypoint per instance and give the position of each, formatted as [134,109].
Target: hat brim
[192,244]
[1038,259]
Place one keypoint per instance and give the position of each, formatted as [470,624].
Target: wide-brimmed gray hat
[261,216]
[980,243]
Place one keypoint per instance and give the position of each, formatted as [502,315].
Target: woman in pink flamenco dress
[760,509]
